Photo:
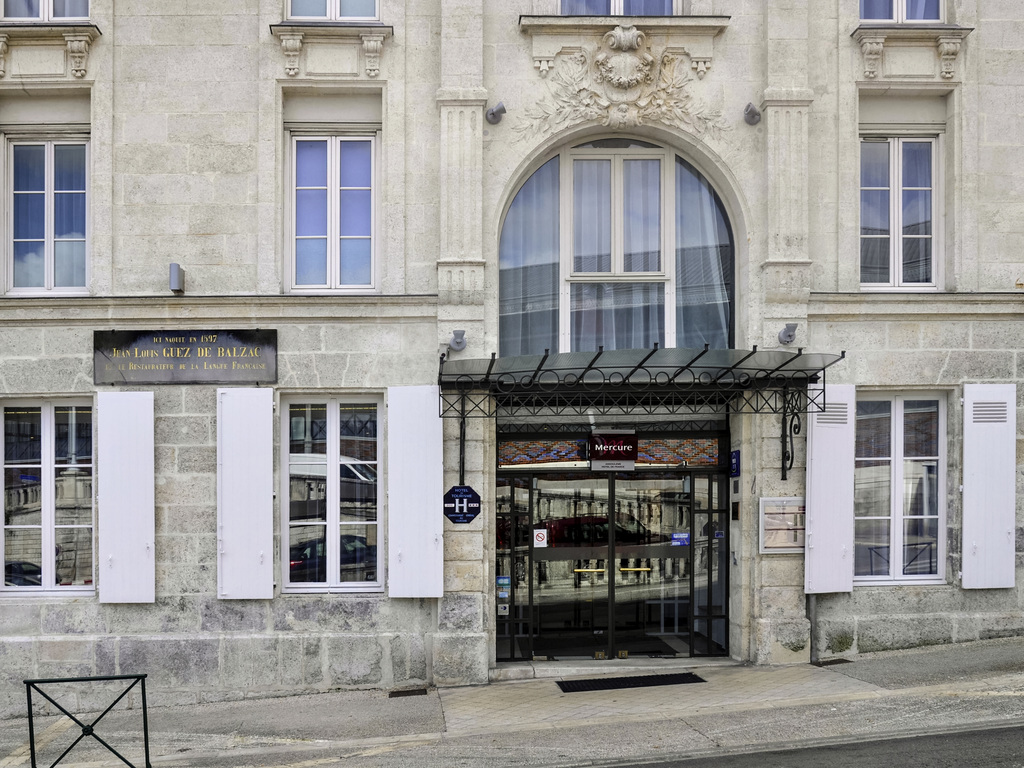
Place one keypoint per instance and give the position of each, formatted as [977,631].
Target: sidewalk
[532,722]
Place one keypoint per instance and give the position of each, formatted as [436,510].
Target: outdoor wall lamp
[177,278]
[751,114]
[788,334]
[494,114]
[458,341]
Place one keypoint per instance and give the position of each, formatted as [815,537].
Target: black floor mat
[638,681]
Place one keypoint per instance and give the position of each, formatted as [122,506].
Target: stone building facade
[337,195]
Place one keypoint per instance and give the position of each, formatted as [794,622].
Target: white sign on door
[540,538]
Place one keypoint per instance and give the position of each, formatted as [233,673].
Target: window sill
[554,34]
[370,591]
[299,36]
[9,593]
[930,582]
[905,43]
[76,36]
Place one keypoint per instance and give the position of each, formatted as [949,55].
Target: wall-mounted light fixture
[177,278]
[458,341]
[788,334]
[494,114]
[751,114]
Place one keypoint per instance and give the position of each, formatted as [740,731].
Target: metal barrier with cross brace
[90,728]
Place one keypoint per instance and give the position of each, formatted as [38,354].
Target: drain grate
[638,681]
[831,662]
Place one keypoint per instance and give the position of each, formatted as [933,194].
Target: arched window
[616,243]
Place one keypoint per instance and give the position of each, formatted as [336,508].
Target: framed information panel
[783,520]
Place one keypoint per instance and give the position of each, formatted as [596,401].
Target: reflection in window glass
[332,529]
[586,7]
[613,242]
[897,491]
[47,496]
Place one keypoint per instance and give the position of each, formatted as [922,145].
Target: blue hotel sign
[461,504]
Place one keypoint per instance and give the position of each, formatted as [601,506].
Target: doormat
[639,681]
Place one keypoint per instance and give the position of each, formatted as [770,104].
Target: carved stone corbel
[3,55]
[291,44]
[373,44]
[871,47]
[78,51]
[543,64]
[949,49]
[700,66]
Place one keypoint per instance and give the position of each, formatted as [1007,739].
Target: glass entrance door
[623,564]
[653,570]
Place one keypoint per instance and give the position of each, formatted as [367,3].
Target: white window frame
[333,491]
[46,13]
[49,142]
[664,276]
[618,5]
[333,13]
[896,489]
[899,15]
[48,493]
[334,141]
[896,281]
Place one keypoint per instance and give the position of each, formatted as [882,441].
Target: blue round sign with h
[461,504]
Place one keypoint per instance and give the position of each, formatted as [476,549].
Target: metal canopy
[632,382]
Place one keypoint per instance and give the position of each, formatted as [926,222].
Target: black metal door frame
[714,474]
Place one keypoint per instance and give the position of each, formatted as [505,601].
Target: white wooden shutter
[245,494]
[989,498]
[415,493]
[828,558]
[125,495]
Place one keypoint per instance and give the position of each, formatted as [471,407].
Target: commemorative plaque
[185,357]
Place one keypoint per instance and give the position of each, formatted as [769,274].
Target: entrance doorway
[621,564]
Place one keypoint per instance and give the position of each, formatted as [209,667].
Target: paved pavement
[523,718]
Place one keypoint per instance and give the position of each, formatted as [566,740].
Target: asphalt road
[993,748]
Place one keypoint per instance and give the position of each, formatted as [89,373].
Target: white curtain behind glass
[528,267]
[617,316]
[703,263]
[591,214]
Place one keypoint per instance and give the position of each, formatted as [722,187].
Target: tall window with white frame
[901,11]
[333,213]
[49,204]
[333,10]
[897,212]
[47,497]
[899,489]
[617,244]
[331,532]
[621,7]
[45,10]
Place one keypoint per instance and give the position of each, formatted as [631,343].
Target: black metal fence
[88,729]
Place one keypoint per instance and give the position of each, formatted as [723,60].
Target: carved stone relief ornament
[622,84]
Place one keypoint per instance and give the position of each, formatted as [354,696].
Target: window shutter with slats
[828,557]
[989,497]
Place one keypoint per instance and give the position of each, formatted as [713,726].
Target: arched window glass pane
[617,316]
[528,267]
[592,215]
[704,263]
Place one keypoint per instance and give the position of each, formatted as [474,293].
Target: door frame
[530,620]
